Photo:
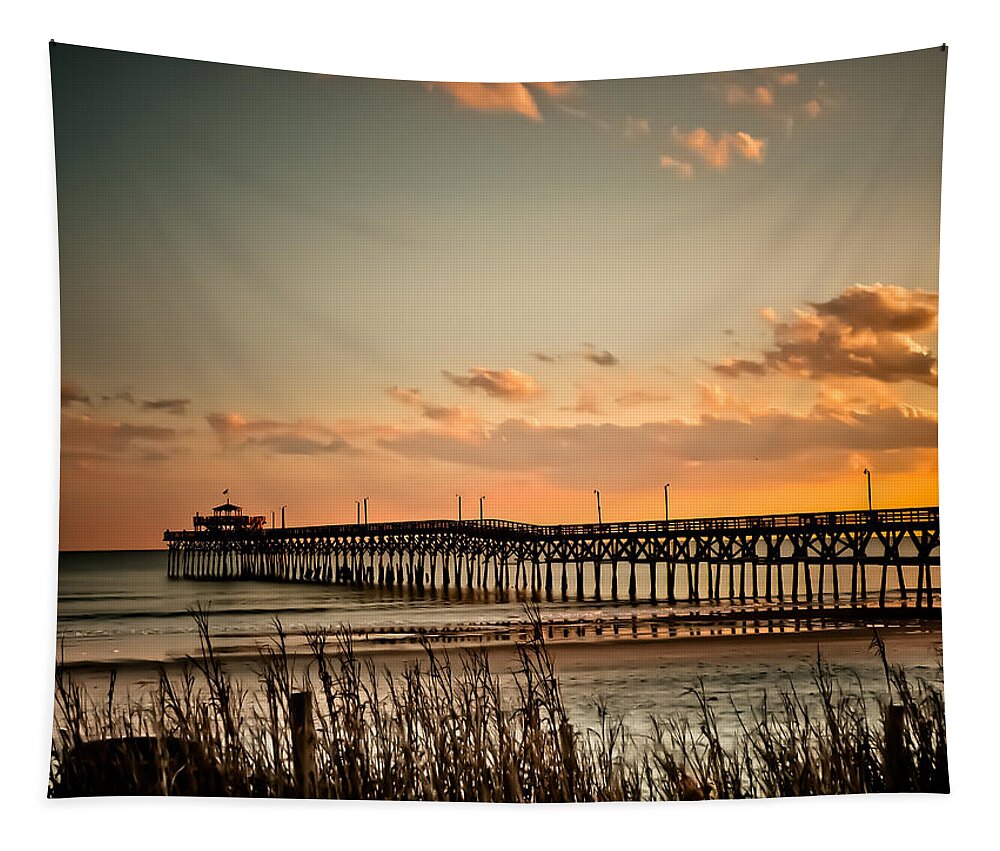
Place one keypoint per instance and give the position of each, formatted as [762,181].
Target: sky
[313,289]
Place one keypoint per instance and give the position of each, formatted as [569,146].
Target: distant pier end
[838,555]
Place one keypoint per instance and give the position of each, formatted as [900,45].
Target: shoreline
[680,638]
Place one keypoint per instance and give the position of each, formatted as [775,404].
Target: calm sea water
[119,609]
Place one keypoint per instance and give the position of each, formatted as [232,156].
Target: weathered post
[896,774]
[303,744]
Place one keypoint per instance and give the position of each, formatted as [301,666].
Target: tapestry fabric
[498,441]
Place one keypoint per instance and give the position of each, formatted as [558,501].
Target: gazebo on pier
[229,517]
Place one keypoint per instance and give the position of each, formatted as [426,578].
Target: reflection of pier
[839,556]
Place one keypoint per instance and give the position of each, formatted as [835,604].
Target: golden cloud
[718,151]
[503,97]
[865,332]
[500,383]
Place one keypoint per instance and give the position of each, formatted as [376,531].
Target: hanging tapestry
[527,441]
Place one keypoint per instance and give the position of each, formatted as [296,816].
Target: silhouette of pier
[839,556]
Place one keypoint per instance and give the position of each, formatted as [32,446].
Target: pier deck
[839,555]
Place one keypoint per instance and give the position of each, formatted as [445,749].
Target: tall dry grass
[458,731]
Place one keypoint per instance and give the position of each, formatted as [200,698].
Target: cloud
[601,358]
[86,438]
[545,358]
[717,152]
[69,393]
[556,90]
[449,416]
[638,455]
[516,98]
[301,437]
[177,407]
[681,169]
[634,128]
[641,397]
[586,403]
[123,396]
[786,78]
[736,94]
[734,367]
[292,444]
[865,332]
[499,383]
[813,108]
[880,307]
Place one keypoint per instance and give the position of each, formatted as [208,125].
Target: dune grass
[456,730]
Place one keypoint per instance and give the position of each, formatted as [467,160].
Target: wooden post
[303,744]
[896,779]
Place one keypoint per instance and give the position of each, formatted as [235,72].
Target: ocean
[118,610]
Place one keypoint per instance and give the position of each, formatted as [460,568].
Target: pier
[840,556]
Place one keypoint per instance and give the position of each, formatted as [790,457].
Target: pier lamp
[481,500]
[459,507]
[868,475]
[357,506]
[666,502]
[283,516]
[366,510]
[600,522]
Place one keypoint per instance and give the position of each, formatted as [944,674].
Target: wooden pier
[840,557]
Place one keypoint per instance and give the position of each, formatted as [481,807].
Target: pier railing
[831,519]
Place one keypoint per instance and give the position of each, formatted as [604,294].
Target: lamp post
[599,520]
[481,500]
[283,516]
[357,505]
[666,502]
[366,510]
[459,507]
[868,475]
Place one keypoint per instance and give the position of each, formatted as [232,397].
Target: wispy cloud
[451,416]
[87,439]
[70,393]
[500,383]
[121,396]
[634,398]
[736,94]
[678,167]
[178,407]
[597,356]
[301,437]
[635,128]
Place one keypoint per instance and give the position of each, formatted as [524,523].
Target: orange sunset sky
[311,290]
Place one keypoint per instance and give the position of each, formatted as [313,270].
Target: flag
[225,492]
